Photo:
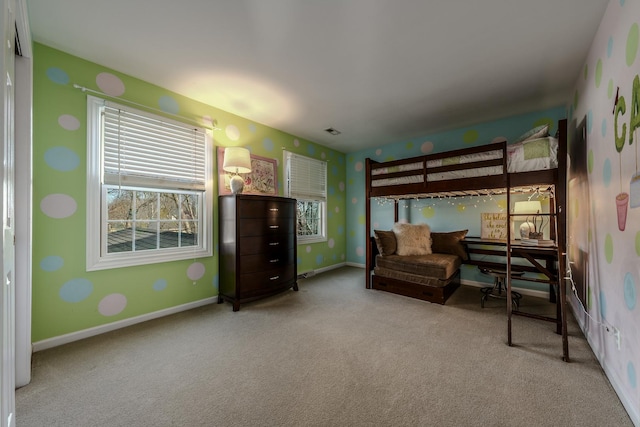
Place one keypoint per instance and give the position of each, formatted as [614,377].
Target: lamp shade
[528,207]
[237,160]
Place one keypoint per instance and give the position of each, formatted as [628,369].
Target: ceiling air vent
[332,131]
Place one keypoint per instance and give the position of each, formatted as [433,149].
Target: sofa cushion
[438,266]
[412,239]
[385,241]
[449,243]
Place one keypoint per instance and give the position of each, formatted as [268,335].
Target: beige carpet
[332,354]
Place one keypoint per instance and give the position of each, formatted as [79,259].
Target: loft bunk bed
[495,168]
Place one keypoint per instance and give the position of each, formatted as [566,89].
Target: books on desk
[536,242]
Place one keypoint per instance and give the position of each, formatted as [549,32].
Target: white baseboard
[353,264]
[86,333]
[311,273]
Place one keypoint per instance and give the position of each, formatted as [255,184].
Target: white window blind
[140,150]
[306,178]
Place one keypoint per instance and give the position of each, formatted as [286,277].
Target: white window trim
[96,210]
[323,202]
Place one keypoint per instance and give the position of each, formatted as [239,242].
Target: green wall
[66,298]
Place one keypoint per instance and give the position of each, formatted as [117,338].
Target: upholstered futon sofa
[411,260]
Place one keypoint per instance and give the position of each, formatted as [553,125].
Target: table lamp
[531,208]
[237,160]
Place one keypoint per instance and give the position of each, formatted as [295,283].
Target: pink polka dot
[112,304]
[331,243]
[354,201]
[360,251]
[69,122]
[195,271]
[358,166]
[296,143]
[110,84]
[58,206]
[308,249]
[378,152]
[427,147]
[341,186]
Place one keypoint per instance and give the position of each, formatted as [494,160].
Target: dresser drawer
[266,208]
[266,243]
[265,226]
[252,284]
[267,261]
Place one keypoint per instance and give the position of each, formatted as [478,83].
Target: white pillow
[412,239]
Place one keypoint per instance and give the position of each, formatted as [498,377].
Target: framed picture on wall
[493,225]
[263,178]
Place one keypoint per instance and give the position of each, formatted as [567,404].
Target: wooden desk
[538,259]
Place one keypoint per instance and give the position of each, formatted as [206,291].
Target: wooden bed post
[368,252]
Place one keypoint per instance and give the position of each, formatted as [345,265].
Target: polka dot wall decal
[341,186]
[631,375]
[606,172]
[470,136]
[51,263]
[502,204]
[610,47]
[168,105]
[590,161]
[308,249]
[376,225]
[311,149]
[352,233]
[195,271]
[253,128]
[160,285]
[378,152]
[428,212]
[110,84]
[267,144]
[232,132]
[632,44]
[598,73]
[58,206]
[603,128]
[358,166]
[340,230]
[57,75]
[319,259]
[61,159]
[337,209]
[351,181]
[332,191]
[610,89]
[340,160]
[296,143]
[112,304]
[354,201]
[461,208]
[334,170]
[426,147]
[409,146]
[603,305]
[331,243]
[215,282]
[76,290]
[361,219]
[360,251]
[608,248]
[630,295]
[69,122]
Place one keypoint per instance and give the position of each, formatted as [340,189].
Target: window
[148,188]
[306,181]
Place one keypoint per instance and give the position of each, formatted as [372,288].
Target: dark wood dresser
[258,252]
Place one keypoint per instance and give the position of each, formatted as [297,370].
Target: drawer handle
[273,209]
[274,260]
[274,243]
[274,226]
[274,278]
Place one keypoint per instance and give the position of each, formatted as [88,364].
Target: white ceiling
[379,71]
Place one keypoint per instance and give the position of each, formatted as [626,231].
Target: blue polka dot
[340,229]
[604,128]
[168,105]
[252,128]
[299,260]
[58,76]
[610,47]
[631,374]
[606,172]
[589,121]
[52,263]
[332,191]
[311,149]
[629,291]
[215,282]
[61,159]
[319,259]
[603,305]
[334,170]
[160,285]
[267,144]
[334,257]
[341,160]
[76,290]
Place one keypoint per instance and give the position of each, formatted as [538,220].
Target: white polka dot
[378,152]
[233,133]
[112,304]
[341,186]
[58,206]
[195,271]
[354,201]
[296,143]
[337,209]
[68,122]
[360,251]
[308,249]
[427,147]
[358,166]
[331,243]
[110,84]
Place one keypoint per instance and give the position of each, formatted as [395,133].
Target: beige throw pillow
[412,239]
